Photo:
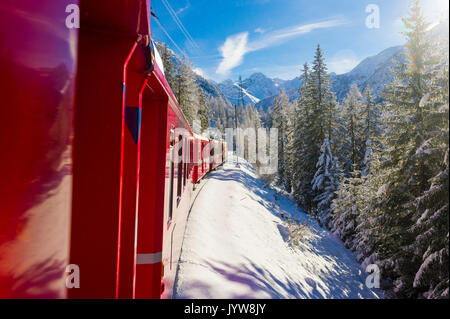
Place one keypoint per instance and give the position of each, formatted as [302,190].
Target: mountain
[211,90]
[258,89]
[373,71]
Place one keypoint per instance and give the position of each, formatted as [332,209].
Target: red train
[98,161]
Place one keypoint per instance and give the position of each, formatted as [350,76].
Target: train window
[171,168]
[180,169]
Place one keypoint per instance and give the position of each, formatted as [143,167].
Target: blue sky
[228,38]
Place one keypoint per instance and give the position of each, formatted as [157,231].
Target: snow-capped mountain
[373,71]
[254,89]
[211,89]
[257,89]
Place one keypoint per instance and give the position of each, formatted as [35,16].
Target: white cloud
[237,45]
[187,6]
[200,72]
[233,51]
[343,61]
[279,36]
[259,30]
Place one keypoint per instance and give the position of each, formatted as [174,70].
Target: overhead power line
[178,22]
[168,35]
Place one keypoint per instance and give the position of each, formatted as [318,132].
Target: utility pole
[240,102]
[241,93]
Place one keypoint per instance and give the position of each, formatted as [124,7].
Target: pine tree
[406,171]
[291,113]
[186,92]
[279,116]
[317,106]
[301,186]
[169,68]
[325,182]
[353,139]
[203,110]
[346,208]
[368,226]
[432,242]
[372,130]
[431,228]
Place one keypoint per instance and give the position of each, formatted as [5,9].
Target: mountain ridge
[373,71]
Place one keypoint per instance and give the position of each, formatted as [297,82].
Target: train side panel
[178,196]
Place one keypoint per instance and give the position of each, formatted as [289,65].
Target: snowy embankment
[237,246]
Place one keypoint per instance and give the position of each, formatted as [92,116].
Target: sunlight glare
[435,10]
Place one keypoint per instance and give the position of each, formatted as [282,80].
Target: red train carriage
[99,157]
[200,161]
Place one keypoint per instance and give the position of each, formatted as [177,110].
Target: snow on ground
[237,246]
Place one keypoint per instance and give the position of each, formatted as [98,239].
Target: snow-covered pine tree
[325,182]
[301,189]
[366,241]
[317,109]
[406,171]
[352,151]
[431,228]
[186,91]
[250,120]
[189,94]
[372,128]
[431,279]
[203,110]
[346,208]
[291,113]
[279,120]
[166,57]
